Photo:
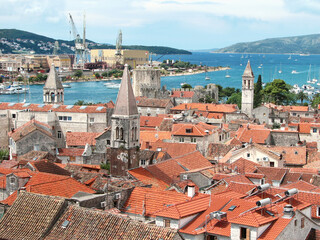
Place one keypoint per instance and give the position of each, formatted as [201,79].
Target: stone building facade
[53,92]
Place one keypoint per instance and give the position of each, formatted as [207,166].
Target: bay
[268,65]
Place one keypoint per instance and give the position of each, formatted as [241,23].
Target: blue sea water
[270,65]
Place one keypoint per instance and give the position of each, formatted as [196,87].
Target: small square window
[302,222]
[13,115]
[314,130]
[59,134]
[91,120]
[65,118]
[248,155]
[181,139]
[69,118]
[60,118]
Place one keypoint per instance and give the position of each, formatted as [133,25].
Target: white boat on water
[112,85]
[14,89]
[294,72]
[66,85]
[207,78]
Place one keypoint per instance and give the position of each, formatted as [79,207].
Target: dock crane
[81,50]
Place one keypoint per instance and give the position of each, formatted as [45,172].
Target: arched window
[52,97]
[121,133]
[135,133]
[117,133]
[132,134]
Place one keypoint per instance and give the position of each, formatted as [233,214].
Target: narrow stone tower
[247,90]
[125,121]
[53,92]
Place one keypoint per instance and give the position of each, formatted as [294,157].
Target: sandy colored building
[130,57]
[63,62]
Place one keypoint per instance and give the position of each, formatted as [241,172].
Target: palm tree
[302,96]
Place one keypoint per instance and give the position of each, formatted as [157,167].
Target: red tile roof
[253,135]
[207,107]
[153,136]
[148,201]
[72,152]
[197,130]
[52,185]
[150,122]
[185,209]
[301,185]
[147,178]
[273,231]
[152,102]
[28,128]
[81,138]
[182,94]
[292,155]
[244,166]
[57,108]
[173,149]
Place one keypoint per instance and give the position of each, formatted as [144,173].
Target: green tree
[19,79]
[276,92]
[97,75]
[315,101]
[78,73]
[228,91]
[301,96]
[186,85]
[4,154]
[257,93]
[235,98]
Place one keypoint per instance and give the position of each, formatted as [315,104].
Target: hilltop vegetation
[17,41]
[299,44]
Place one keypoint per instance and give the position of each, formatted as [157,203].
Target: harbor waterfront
[294,69]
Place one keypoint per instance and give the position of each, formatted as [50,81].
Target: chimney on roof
[207,108]
[191,189]
[288,211]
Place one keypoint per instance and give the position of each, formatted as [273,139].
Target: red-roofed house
[153,106]
[201,133]
[180,97]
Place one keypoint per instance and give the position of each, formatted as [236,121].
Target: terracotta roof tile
[292,155]
[153,136]
[56,108]
[244,166]
[150,122]
[70,152]
[147,178]
[28,128]
[273,231]
[182,94]
[301,185]
[152,102]
[217,108]
[148,201]
[185,209]
[87,223]
[173,149]
[187,129]
[31,216]
[253,135]
[81,138]
[52,185]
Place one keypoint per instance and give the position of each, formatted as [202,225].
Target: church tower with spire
[53,92]
[247,91]
[125,121]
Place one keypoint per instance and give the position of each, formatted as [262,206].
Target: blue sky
[185,24]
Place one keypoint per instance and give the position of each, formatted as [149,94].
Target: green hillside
[299,44]
[15,41]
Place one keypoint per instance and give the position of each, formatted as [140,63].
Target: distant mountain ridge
[18,41]
[299,44]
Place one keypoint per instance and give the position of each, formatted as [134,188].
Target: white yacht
[66,85]
[15,88]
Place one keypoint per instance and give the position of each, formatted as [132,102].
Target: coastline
[172,74]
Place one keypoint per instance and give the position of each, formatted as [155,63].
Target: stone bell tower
[247,90]
[125,120]
[53,92]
